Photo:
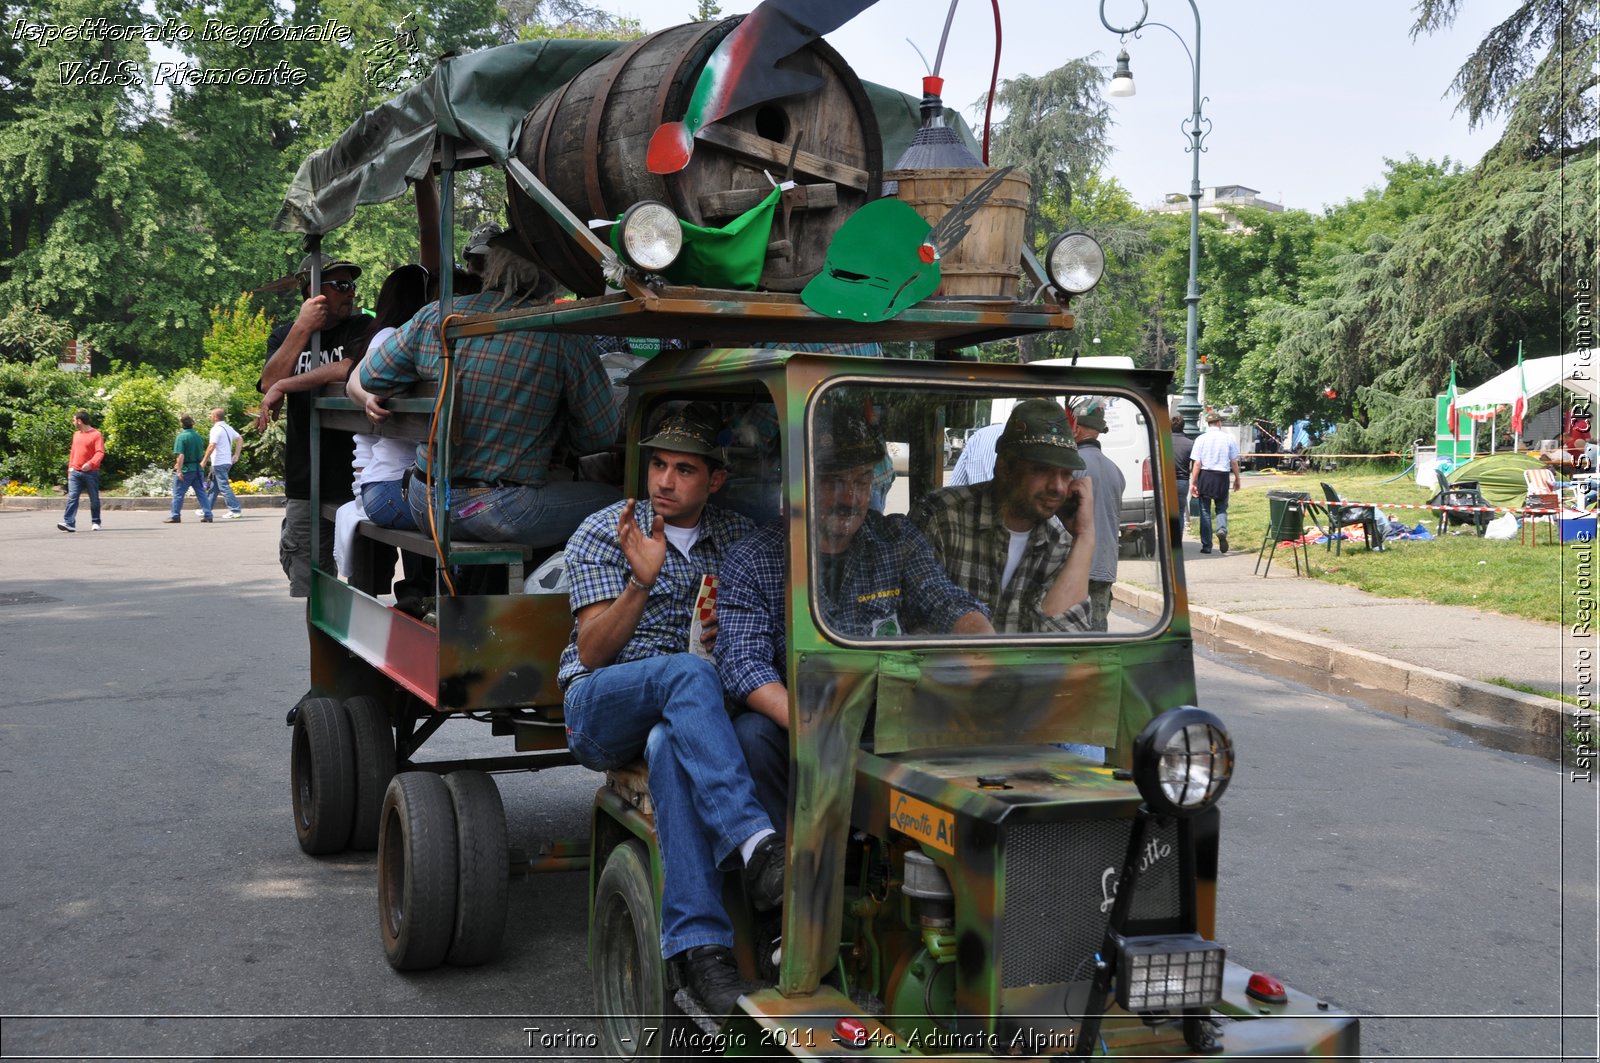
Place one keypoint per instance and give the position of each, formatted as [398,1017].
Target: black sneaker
[64,526]
[208,520]
[763,875]
[712,977]
[173,520]
[1222,541]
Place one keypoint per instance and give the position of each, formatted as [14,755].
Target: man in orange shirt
[83,472]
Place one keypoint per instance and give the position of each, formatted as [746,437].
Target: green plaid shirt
[519,393]
[970,538]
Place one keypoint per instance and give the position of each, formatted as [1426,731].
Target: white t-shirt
[1014,551]
[379,459]
[223,439]
[682,539]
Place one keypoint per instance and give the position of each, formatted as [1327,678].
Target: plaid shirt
[890,576]
[598,571]
[1215,450]
[967,532]
[519,393]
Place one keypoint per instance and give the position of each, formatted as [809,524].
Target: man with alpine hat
[1022,543]
[633,689]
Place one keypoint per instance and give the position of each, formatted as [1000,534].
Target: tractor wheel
[482,868]
[375,762]
[322,771]
[417,871]
[630,987]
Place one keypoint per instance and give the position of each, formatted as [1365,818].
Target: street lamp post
[1198,129]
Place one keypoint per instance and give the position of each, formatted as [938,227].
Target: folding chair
[1344,516]
[1461,493]
[1286,524]
[1542,494]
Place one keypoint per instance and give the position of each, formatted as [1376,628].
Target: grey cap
[328,266]
[478,242]
[1040,430]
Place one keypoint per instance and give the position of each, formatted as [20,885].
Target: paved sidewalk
[1438,655]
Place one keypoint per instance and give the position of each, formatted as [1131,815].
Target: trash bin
[1286,522]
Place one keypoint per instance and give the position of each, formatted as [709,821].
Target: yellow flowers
[12,487]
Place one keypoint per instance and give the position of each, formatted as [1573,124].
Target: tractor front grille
[1059,881]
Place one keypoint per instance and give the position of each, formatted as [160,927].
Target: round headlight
[651,236]
[1182,761]
[1074,262]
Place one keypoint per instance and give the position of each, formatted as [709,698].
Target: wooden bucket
[587,142]
[987,263]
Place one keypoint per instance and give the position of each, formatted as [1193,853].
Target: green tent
[1499,476]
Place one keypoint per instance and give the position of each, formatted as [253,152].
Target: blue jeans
[532,516]
[221,486]
[184,481]
[82,480]
[669,708]
[1206,522]
[385,504]
[766,754]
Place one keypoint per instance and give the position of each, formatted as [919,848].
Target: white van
[1126,442]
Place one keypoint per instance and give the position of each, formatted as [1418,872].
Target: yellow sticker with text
[922,821]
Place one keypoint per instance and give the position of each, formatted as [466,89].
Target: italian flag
[1452,414]
[1520,408]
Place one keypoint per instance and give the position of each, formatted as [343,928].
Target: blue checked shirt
[890,578]
[518,393]
[1215,450]
[598,571]
[968,534]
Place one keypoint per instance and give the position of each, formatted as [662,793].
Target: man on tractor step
[633,688]
[878,579]
[1019,542]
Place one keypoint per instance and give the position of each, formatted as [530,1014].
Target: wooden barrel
[587,142]
[987,263]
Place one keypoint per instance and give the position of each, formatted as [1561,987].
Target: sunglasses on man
[340,286]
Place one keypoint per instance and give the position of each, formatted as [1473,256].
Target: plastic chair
[1543,493]
[1286,524]
[1342,516]
[1461,493]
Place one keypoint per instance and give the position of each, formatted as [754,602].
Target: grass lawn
[1535,582]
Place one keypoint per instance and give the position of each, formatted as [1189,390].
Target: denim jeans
[766,754]
[1206,521]
[221,486]
[385,505]
[669,708]
[82,480]
[183,482]
[532,516]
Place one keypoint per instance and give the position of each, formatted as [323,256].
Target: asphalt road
[153,900]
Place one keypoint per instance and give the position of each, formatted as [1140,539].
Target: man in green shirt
[187,450]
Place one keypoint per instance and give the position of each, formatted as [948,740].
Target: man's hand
[1082,520]
[313,313]
[270,401]
[708,633]
[645,553]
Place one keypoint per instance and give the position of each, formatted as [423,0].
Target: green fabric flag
[730,257]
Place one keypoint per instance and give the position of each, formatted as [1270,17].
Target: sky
[1305,100]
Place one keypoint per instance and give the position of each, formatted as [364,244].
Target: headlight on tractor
[651,236]
[1168,972]
[1074,263]
[1182,761]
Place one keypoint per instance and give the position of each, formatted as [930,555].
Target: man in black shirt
[1182,445]
[332,313]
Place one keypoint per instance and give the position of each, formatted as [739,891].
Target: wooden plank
[770,153]
[801,197]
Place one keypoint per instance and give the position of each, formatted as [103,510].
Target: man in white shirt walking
[1214,457]
[221,452]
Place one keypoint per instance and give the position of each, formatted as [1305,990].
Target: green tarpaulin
[1499,476]
[482,98]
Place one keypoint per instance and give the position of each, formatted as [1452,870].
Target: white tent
[1578,372]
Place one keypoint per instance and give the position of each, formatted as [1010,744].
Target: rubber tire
[482,868]
[375,764]
[322,776]
[417,871]
[629,977]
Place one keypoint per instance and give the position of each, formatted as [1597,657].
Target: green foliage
[236,345]
[140,425]
[37,402]
[152,481]
[706,11]
[40,443]
[262,452]
[28,334]
[195,395]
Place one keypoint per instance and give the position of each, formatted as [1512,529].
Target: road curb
[1484,709]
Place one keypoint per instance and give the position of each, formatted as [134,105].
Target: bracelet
[633,581]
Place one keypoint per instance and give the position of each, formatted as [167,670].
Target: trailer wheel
[482,871]
[417,871]
[629,980]
[322,772]
[374,761]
